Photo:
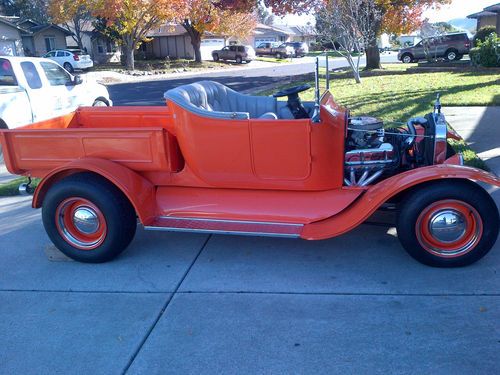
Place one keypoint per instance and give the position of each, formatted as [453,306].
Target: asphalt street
[151,92]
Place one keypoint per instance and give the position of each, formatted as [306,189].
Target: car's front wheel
[88,218]
[215,57]
[68,67]
[407,58]
[448,224]
[278,55]
[239,60]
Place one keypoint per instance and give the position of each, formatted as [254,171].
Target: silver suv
[448,46]
[238,53]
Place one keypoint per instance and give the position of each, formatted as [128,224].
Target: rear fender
[139,191]
[376,195]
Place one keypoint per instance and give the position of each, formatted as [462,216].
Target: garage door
[209,45]
[263,40]
[7,48]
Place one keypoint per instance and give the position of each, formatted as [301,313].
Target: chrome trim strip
[228,221]
[260,234]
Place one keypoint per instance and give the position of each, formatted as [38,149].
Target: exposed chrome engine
[374,151]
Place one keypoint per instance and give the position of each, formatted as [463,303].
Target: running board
[240,227]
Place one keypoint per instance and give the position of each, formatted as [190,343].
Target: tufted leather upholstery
[212,99]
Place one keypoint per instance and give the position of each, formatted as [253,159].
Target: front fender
[139,191]
[379,193]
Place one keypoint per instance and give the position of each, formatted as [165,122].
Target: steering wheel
[292,91]
[294,103]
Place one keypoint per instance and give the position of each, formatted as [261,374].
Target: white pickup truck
[36,89]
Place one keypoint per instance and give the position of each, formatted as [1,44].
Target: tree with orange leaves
[75,15]
[228,18]
[132,19]
[397,16]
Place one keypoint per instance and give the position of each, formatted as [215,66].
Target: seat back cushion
[209,96]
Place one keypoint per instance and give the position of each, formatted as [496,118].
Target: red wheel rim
[81,223]
[449,228]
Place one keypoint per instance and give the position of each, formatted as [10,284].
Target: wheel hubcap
[449,228]
[81,223]
[451,56]
[85,220]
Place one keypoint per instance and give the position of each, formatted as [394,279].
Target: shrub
[482,33]
[487,53]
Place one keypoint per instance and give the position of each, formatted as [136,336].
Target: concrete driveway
[196,304]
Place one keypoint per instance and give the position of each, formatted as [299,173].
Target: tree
[347,24]
[227,18]
[397,16]
[75,15]
[264,16]
[35,10]
[132,19]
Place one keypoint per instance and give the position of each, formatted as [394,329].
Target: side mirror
[77,80]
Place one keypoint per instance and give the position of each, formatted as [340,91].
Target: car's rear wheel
[68,67]
[239,60]
[278,55]
[407,58]
[100,103]
[88,218]
[451,55]
[448,224]
[215,57]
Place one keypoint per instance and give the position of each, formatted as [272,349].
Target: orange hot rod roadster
[216,161]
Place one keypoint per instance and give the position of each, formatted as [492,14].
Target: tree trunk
[196,43]
[195,37]
[128,56]
[373,57]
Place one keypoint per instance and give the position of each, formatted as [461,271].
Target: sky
[457,9]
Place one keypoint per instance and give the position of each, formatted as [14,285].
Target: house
[306,34]
[264,33]
[36,39]
[100,48]
[10,38]
[169,40]
[489,16]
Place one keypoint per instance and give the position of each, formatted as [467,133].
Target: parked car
[34,89]
[448,46]
[70,59]
[217,161]
[300,49]
[235,52]
[275,49]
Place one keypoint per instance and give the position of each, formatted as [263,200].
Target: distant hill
[464,24]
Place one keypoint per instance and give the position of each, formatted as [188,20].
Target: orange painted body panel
[260,154]
[137,189]
[172,163]
[257,205]
[379,193]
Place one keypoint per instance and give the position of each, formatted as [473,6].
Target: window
[50,54]
[60,54]
[31,74]
[50,43]
[100,46]
[241,49]
[232,48]
[56,75]
[7,77]
[262,45]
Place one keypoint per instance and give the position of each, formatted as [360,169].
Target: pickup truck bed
[137,139]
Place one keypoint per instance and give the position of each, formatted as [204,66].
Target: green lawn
[396,95]
[272,59]
[12,187]
[330,54]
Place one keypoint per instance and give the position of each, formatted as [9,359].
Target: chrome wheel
[81,223]
[449,228]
